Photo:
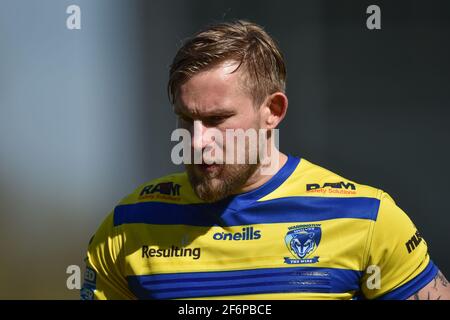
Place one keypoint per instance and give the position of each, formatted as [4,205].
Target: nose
[198,141]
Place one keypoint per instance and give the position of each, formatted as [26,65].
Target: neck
[265,172]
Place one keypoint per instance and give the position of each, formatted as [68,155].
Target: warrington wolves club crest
[302,241]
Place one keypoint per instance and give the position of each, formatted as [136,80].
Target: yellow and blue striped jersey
[307,233]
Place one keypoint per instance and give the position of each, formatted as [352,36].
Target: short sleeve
[400,254]
[104,277]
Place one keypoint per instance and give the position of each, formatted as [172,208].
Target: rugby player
[230,230]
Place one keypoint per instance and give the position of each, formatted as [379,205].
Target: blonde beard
[218,186]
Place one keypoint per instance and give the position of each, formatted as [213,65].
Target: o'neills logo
[247,233]
[173,251]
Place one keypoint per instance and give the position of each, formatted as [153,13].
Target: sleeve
[104,277]
[398,264]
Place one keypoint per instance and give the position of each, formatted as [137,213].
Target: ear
[274,109]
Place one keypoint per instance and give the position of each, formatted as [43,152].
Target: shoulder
[172,188]
[150,200]
[311,180]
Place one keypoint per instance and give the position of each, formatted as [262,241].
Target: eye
[215,120]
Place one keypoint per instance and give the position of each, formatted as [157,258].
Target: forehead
[213,88]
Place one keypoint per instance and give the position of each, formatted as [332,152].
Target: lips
[208,168]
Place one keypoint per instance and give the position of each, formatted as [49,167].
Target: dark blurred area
[84,114]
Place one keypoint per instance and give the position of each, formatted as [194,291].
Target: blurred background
[84,115]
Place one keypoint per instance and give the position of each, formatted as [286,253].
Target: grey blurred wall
[84,116]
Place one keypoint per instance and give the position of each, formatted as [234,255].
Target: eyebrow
[215,113]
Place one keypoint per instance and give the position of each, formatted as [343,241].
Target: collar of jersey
[238,201]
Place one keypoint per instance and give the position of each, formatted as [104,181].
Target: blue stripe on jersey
[288,209]
[257,281]
[413,286]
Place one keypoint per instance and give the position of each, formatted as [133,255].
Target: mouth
[208,168]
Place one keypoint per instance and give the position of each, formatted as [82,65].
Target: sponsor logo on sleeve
[331,187]
[412,243]
[163,190]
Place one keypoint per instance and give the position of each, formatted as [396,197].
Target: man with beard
[225,229]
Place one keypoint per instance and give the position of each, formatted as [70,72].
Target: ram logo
[165,188]
[334,185]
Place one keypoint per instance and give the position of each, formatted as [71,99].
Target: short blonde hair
[242,41]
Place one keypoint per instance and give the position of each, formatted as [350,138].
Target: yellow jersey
[307,233]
